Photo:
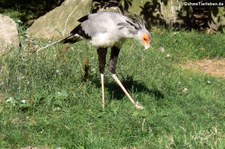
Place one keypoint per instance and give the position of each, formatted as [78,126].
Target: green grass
[46,103]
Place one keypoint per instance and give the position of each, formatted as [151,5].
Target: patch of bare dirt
[211,67]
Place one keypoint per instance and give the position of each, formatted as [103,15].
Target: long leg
[112,67]
[102,60]
[136,104]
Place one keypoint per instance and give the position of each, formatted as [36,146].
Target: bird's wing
[77,33]
[82,19]
[108,22]
[97,23]
[89,26]
[103,24]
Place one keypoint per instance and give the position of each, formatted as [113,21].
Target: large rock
[8,34]
[61,20]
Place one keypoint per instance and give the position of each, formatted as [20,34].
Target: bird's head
[144,37]
[136,29]
[140,32]
[146,40]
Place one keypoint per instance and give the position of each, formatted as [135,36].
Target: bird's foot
[138,106]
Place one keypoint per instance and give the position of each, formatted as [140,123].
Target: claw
[138,106]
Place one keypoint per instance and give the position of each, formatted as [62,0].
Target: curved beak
[147,46]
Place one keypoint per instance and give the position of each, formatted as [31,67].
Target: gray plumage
[106,29]
[110,29]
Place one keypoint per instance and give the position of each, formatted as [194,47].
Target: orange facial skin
[146,39]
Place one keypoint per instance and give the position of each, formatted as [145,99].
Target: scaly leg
[102,60]
[136,104]
[112,67]
[103,91]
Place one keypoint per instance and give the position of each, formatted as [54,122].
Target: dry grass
[213,67]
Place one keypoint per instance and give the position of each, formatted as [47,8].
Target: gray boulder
[8,34]
[60,21]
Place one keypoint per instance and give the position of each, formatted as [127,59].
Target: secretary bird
[109,30]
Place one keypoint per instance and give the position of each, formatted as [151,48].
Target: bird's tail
[49,45]
[72,38]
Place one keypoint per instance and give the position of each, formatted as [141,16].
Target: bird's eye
[146,38]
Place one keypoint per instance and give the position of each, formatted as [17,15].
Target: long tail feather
[49,45]
[72,38]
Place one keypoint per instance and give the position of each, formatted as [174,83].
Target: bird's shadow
[131,85]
